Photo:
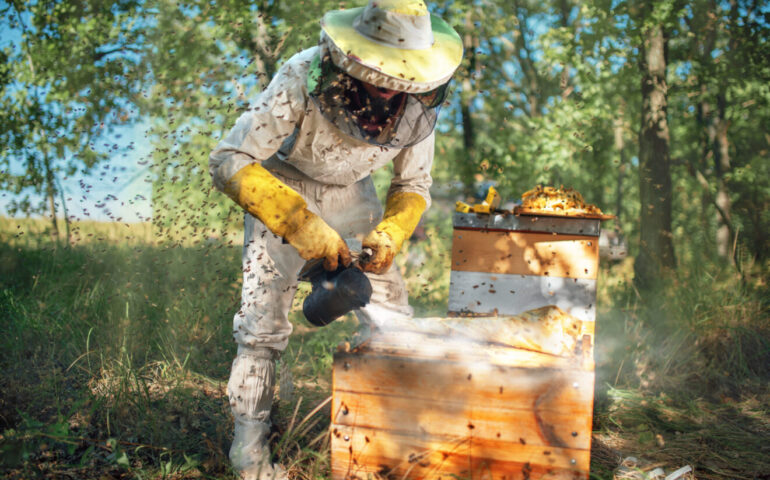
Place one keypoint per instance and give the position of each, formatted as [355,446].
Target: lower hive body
[424,404]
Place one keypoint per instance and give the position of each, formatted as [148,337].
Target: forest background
[116,336]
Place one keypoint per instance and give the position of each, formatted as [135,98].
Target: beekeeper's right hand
[284,212]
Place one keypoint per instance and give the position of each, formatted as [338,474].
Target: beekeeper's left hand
[402,214]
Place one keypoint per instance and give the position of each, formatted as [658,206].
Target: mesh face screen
[377,116]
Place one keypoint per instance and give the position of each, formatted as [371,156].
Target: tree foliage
[579,121]
[208,61]
[549,92]
[66,81]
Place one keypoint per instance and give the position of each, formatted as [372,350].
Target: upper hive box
[505,264]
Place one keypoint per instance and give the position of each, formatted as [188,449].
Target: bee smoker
[334,293]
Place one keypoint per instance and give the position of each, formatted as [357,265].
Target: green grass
[116,352]
[682,373]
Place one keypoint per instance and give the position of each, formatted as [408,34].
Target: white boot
[251,395]
[250,452]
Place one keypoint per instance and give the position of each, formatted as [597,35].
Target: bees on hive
[557,199]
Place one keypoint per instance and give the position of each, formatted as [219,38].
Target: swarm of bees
[557,200]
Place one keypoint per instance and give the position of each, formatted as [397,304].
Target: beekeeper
[299,162]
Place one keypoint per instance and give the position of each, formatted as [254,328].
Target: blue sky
[116,188]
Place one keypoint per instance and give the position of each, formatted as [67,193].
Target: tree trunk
[620,147]
[708,137]
[51,194]
[466,97]
[67,228]
[715,144]
[656,252]
[468,135]
[722,166]
[265,54]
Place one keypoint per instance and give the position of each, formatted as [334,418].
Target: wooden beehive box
[504,264]
[454,398]
[507,396]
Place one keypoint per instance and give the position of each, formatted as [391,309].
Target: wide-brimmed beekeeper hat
[393,44]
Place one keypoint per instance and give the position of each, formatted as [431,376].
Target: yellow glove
[284,212]
[402,213]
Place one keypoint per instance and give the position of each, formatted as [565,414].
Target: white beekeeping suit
[299,162]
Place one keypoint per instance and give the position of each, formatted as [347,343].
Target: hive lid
[546,331]
[529,223]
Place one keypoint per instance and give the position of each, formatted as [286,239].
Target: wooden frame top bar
[529,223]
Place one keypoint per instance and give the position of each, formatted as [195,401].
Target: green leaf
[121,459]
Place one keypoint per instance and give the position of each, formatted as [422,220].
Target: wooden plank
[418,345]
[505,294]
[547,330]
[415,345]
[360,453]
[438,417]
[526,253]
[563,391]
